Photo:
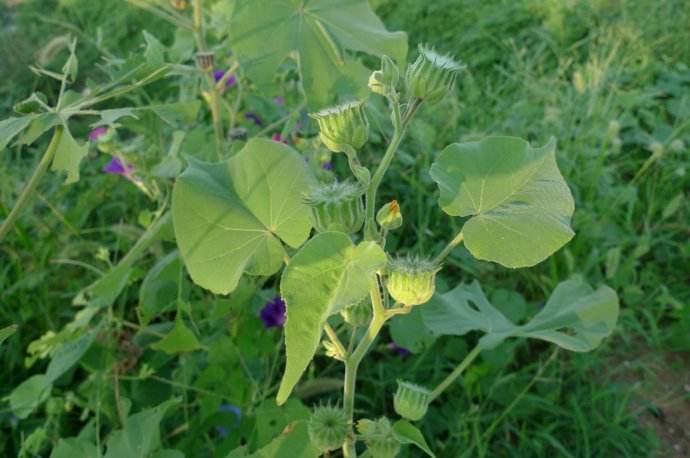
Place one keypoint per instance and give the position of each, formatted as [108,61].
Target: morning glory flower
[254,117]
[97,133]
[328,165]
[273,313]
[279,138]
[219,74]
[116,166]
[229,408]
[280,100]
[404,352]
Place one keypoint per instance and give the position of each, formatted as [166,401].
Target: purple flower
[117,167]
[279,138]
[273,313]
[219,74]
[229,408]
[254,117]
[97,133]
[328,165]
[404,352]
[280,100]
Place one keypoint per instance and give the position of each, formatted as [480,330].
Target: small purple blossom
[404,352]
[328,165]
[117,167]
[223,430]
[280,100]
[273,313]
[279,138]
[219,74]
[250,115]
[97,133]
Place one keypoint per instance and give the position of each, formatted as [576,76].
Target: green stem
[449,248]
[33,182]
[352,364]
[456,372]
[400,126]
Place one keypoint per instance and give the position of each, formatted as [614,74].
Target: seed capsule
[432,75]
[342,126]
[379,437]
[337,207]
[327,427]
[411,281]
[411,401]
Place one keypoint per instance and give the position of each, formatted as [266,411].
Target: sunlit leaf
[68,156]
[575,317]
[230,217]
[10,127]
[31,393]
[518,203]
[327,274]
[179,340]
[264,32]
[68,354]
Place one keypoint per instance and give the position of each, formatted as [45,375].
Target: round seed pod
[337,207]
[342,126]
[357,315]
[379,438]
[327,427]
[411,281]
[432,75]
[411,401]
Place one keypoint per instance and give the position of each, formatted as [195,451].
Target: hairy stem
[352,364]
[33,182]
[400,126]
[449,248]
[456,372]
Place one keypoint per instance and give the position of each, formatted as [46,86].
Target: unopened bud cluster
[337,206]
[343,126]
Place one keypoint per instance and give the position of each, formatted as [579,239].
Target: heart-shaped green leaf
[575,317]
[327,274]
[264,32]
[519,204]
[229,217]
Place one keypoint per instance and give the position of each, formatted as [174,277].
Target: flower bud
[332,351]
[385,80]
[342,126]
[379,437]
[411,281]
[205,60]
[389,216]
[432,75]
[327,427]
[357,315]
[411,401]
[337,207]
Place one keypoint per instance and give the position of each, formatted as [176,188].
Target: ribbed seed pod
[327,427]
[379,438]
[432,75]
[343,125]
[337,207]
[411,281]
[358,315]
[411,401]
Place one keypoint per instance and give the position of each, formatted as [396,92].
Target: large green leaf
[10,127]
[264,32]
[229,217]
[519,204]
[327,274]
[576,317]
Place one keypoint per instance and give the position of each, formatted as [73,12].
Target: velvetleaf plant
[253,214]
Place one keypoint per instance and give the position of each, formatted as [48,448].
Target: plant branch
[449,248]
[33,182]
[456,373]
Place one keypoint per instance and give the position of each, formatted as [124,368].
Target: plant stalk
[400,126]
[449,248]
[456,372]
[33,182]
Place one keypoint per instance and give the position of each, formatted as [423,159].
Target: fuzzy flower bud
[337,207]
[342,126]
[357,315]
[327,427]
[389,216]
[385,80]
[411,281]
[411,401]
[432,75]
[379,437]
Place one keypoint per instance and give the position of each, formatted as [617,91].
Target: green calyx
[358,315]
[337,207]
[379,437]
[411,401]
[432,75]
[327,427]
[411,281]
[343,126]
